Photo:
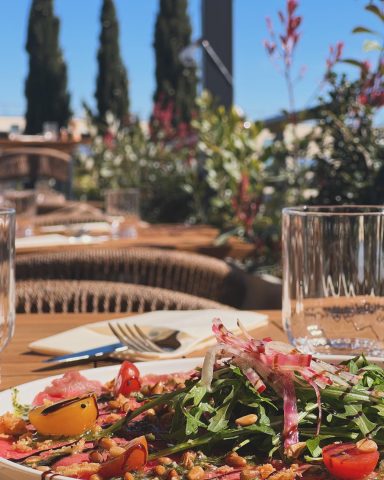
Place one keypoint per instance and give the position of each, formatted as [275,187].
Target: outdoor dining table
[20,365]
[191,238]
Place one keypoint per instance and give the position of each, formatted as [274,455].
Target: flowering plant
[229,175]
[122,157]
[349,162]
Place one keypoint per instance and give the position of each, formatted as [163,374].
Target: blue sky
[259,90]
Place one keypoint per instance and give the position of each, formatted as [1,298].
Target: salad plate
[255,409]
[27,391]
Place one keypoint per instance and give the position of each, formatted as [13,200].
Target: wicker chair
[195,274]
[33,163]
[62,296]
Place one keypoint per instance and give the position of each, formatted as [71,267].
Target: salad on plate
[257,409]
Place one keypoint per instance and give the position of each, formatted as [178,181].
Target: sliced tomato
[345,461]
[128,379]
[134,457]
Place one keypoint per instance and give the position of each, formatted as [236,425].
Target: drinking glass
[333,279]
[24,202]
[50,131]
[7,277]
[123,207]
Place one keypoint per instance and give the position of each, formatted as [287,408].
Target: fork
[134,338]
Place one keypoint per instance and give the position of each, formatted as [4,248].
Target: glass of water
[333,279]
[123,207]
[7,277]
[24,202]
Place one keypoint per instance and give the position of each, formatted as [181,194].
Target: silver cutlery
[93,354]
[135,339]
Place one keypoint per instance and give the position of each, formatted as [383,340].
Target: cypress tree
[46,91]
[175,83]
[112,83]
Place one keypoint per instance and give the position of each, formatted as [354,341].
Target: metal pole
[217,44]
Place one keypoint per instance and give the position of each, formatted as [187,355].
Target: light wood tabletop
[20,365]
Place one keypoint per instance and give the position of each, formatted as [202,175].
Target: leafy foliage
[175,84]
[206,418]
[127,157]
[112,83]
[46,86]
[349,163]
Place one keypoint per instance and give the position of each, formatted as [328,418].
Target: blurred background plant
[127,156]
[224,169]
[349,163]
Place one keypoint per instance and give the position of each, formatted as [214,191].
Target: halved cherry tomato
[345,461]
[68,418]
[127,379]
[134,457]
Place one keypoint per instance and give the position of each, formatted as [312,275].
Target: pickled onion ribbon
[277,365]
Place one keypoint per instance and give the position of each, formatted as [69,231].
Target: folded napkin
[37,241]
[89,227]
[195,332]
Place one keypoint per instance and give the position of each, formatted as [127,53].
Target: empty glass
[50,131]
[24,202]
[7,277]
[333,278]
[123,207]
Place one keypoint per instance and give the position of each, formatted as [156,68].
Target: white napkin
[90,227]
[37,241]
[195,327]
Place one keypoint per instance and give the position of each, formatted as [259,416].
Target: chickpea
[195,473]
[233,459]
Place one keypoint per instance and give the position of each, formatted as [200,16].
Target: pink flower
[109,139]
[269,46]
[335,53]
[289,36]
[372,92]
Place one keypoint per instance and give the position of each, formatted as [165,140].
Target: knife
[92,354]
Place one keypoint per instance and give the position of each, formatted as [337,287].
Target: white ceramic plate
[27,391]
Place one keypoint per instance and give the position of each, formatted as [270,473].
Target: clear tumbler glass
[333,279]
[7,277]
[123,207]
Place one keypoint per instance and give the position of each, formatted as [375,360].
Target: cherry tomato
[345,461]
[127,379]
[134,457]
[70,417]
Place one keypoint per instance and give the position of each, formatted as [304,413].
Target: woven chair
[191,273]
[62,296]
[33,163]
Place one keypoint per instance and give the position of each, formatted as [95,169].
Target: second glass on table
[7,272]
[24,202]
[123,207]
[333,279]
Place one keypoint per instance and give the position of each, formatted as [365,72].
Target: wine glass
[7,277]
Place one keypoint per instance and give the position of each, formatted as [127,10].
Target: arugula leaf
[19,409]
[313,445]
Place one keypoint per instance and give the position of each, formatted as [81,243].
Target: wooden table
[19,365]
[194,238]
[67,146]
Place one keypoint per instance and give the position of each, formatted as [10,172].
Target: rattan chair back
[66,296]
[34,163]
[185,272]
